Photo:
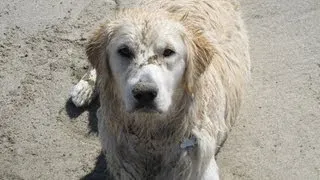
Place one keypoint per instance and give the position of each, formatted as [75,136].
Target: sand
[43,136]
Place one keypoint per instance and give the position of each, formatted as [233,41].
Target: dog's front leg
[211,172]
[204,163]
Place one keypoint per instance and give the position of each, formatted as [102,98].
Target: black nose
[145,92]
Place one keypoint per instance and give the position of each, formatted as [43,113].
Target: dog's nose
[145,92]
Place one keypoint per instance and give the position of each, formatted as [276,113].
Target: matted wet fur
[195,55]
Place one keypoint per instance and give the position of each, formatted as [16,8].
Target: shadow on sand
[73,112]
[100,170]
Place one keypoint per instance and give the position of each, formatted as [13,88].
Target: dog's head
[145,55]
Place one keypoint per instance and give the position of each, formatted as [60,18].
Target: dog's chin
[145,109]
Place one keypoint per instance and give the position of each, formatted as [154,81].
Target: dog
[170,75]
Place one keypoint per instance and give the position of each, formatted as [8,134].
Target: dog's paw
[82,93]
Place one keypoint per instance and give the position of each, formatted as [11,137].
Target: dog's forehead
[148,31]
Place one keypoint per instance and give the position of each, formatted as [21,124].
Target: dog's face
[147,61]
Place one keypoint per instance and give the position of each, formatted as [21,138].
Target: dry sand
[43,136]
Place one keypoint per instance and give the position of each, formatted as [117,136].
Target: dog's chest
[150,146]
[156,154]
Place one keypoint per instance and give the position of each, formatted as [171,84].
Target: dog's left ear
[200,54]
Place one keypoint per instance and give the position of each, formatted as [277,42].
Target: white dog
[170,76]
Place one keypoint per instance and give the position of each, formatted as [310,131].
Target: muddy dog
[170,76]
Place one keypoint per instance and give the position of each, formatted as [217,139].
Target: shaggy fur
[204,106]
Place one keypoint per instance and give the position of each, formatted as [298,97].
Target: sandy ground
[43,136]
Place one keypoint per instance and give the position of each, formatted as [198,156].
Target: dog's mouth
[146,108]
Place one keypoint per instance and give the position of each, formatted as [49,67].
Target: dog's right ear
[96,48]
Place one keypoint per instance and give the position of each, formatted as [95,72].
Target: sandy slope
[278,135]
[42,136]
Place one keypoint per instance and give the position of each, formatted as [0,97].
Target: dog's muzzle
[144,94]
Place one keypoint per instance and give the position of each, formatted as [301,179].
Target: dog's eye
[168,52]
[125,51]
